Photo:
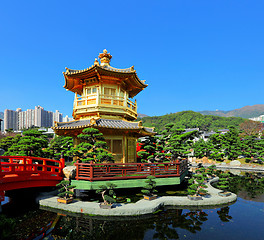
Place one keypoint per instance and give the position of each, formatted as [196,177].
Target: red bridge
[27,172]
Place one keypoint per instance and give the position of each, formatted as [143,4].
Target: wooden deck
[128,175]
[121,171]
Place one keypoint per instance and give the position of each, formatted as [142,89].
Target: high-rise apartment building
[67,119]
[38,117]
[11,119]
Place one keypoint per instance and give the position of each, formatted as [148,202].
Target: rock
[235,172]
[70,172]
[235,163]
[205,159]
[223,163]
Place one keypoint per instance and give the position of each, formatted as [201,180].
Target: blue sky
[195,55]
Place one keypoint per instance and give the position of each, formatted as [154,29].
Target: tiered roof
[104,123]
[74,79]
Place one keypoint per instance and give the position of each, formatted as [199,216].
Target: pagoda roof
[74,78]
[104,123]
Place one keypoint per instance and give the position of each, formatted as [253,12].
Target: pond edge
[141,207]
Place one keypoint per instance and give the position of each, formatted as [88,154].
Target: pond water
[241,220]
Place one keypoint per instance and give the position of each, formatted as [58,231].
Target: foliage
[250,128]
[7,142]
[231,143]
[149,188]
[202,148]
[58,147]
[30,144]
[174,142]
[65,189]
[92,148]
[190,119]
[197,183]
[148,149]
[107,192]
[211,171]
[217,152]
[223,182]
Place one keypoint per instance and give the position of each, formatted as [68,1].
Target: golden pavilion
[103,101]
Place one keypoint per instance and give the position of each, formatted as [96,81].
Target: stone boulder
[70,172]
[235,163]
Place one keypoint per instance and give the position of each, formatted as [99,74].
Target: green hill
[190,119]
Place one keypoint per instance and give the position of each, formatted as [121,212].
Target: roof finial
[96,62]
[105,58]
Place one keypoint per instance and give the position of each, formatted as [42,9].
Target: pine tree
[148,149]
[202,148]
[107,192]
[231,143]
[223,182]
[149,188]
[65,189]
[217,152]
[58,147]
[31,143]
[93,148]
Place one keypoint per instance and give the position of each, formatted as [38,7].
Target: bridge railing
[24,165]
[119,171]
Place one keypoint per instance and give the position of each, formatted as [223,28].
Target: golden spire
[96,62]
[105,58]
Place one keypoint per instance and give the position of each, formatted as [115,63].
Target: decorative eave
[74,78]
[104,124]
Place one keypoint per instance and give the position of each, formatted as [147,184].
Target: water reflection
[167,224]
[163,226]
[223,214]
[248,186]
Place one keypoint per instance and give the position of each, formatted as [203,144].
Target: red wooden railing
[119,171]
[23,172]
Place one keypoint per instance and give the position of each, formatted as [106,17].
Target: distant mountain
[244,112]
[140,115]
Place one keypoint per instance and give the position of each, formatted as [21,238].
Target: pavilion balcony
[106,103]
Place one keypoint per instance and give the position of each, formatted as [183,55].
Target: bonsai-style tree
[7,142]
[179,143]
[107,192]
[202,171]
[58,146]
[216,152]
[149,188]
[93,147]
[148,149]
[211,171]
[232,143]
[223,182]
[197,185]
[31,143]
[65,189]
[202,148]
